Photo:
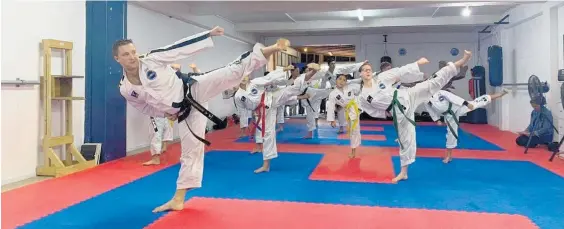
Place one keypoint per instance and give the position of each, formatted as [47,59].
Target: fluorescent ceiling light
[360,17]
[466,12]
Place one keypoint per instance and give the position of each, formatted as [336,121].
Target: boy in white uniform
[153,87]
[264,98]
[378,98]
[161,135]
[452,107]
[345,96]
[313,103]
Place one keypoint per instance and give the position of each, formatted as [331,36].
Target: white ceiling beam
[262,27]
[238,7]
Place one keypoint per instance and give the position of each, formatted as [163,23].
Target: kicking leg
[191,160]
[215,82]
[421,92]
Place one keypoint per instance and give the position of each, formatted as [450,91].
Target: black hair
[384,65]
[345,75]
[266,73]
[120,43]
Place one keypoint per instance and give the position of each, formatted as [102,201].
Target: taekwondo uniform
[346,99]
[452,107]
[382,97]
[162,131]
[165,91]
[314,102]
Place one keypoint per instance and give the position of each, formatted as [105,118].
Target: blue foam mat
[511,187]
[427,137]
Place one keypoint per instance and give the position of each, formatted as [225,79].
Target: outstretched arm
[404,74]
[183,48]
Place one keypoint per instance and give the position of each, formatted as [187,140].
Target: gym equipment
[537,90]
[477,88]
[560,78]
[495,62]
[386,58]
[59,87]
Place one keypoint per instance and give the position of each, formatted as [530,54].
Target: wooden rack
[59,87]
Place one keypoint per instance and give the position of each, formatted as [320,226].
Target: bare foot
[464,60]
[262,169]
[153,161]
[283,44]
[352,155]
[446,160]
[400,177]
[255,151]
[172,205]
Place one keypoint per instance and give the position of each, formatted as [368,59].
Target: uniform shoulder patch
[254,91]
[338,97]
[350,93]
[243,98]
[151,75]
[382,86]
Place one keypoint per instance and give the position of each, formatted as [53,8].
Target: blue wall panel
[105,110]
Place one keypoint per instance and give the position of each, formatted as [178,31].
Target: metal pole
[19,82]
[515,84]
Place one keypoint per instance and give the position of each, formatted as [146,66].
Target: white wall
[433,46]
[150,30]
[22,119]
[532,44]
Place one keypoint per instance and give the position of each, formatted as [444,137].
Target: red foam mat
[372,128]
[203,213]
[373,137]
[368,167]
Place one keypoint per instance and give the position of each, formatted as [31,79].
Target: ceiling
[335,50]
[276,17]
[270,18]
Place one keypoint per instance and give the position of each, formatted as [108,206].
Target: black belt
[308,102]
[188,102]
[154,125]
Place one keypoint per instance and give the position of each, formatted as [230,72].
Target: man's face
[341,81]
[366,72]
[127,57]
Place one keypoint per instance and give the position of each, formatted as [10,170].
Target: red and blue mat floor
[312,184]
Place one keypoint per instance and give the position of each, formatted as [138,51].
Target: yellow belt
[351,104]
[171,123]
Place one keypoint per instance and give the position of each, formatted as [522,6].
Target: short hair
[362,66]
[345,75]
[120,43]
[384,65]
